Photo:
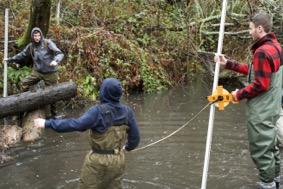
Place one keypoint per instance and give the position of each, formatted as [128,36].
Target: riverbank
[149,46]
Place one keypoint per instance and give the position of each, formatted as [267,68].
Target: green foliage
[88,87]
[16,75]
[107,70]
[127,56]
[144,41]
[148,45]
[153,79]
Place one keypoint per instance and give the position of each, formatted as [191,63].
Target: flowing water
[54,162]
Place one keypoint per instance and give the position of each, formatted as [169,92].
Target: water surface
[176,163]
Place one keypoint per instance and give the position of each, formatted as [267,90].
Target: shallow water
[176,163]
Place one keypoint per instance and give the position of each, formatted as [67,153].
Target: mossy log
[28,101]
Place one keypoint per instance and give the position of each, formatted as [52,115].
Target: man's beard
[36,43]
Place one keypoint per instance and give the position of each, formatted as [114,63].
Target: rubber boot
[53,110]
[264,185]
[277,182]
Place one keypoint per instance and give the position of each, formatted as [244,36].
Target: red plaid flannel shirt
[266,60]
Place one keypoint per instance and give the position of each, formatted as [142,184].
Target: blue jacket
[110,94]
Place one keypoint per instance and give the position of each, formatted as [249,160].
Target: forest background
[149,45]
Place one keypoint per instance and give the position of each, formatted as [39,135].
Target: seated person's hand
[53,63]
[8,60]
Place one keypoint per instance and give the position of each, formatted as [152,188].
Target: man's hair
[262,19]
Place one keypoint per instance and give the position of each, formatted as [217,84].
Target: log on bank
[32,100]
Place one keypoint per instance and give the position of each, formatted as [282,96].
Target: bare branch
[226,33]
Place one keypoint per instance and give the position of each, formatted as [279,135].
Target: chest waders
[104,165]
[262,114]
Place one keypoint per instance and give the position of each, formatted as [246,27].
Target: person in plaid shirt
[263,94]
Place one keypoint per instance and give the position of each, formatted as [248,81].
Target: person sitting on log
[113,129]
[45,56]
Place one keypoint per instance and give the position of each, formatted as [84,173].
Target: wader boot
[277,182]
[263,185]
[57,110]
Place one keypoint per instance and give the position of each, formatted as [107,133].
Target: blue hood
[110,91]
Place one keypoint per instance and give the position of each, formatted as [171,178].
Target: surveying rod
[5,93]
[212,107]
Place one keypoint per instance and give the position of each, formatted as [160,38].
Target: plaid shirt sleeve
[237,67]
[262,77]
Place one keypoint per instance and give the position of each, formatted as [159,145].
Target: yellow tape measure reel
[221,97]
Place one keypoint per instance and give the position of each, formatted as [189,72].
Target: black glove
[9,60]
[14,65]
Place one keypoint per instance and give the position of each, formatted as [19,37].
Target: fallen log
[32,100]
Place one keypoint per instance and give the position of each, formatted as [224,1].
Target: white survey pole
[58,9]
[212,107]
[5,53]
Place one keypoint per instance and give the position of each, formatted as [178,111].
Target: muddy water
[176,163]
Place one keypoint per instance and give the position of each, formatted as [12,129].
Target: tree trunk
[39,17]
[28,101]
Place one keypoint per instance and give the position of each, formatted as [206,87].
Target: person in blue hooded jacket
[113,129]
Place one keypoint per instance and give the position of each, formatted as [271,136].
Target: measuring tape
[221,98]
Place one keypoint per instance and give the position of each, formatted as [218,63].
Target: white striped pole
[212,107]
[5,93]
[58,9]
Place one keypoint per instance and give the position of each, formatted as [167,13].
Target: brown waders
[35,77]
[104,165]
